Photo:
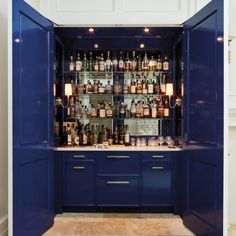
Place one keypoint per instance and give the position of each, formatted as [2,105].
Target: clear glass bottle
[127,136]
[166,64]
[78,63]
[132,110]
[139,63]
[159,63]
[121,62]
[115,63]
[153,110]
[102,111]
[102,63]
[85,63]
[126,87]
[145,62]
[122,110]
[150,87]
[96,64]
[108,88]
[134,63]
[71,64]
[127,63]
[90,63]
[108,62]
[117,87]
[132,85]
[101,89]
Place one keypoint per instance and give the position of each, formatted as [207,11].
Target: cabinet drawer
[79,156]
[156,156]
[79,184]
[157,183]
[116,163]
[117,191]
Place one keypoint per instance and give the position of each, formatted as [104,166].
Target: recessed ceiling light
[91,30]
[142,45]
[96,45]
[220,39]
[146,29]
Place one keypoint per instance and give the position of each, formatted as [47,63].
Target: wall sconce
[68,93]
[170,93]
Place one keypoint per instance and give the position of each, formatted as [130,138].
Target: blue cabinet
[157,183]
[79,184]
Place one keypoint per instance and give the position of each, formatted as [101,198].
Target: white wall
[3,118]
[34,3]
[232,116]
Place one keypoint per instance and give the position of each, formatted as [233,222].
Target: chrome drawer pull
[158,156]
[158,168]
[78,167]
[118,182]
[118,157]
[79,156]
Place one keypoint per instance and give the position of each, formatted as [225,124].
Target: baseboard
[4,226]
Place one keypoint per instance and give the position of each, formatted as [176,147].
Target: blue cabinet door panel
[33,156]
[79,184]
[157,183]
[118,191]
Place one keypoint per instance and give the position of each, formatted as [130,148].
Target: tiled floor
[109,224]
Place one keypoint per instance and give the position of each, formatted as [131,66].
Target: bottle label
[150,88]
[78,65]
[165,66]
[121,64]
[159,65]
[166,112]
[77,140]
[102,66]
[71,67]
[154,112]
[146,112]
[127,138]
[109,113]
[102,113]
[133,89]
[69,139]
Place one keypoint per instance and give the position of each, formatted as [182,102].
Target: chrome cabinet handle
[118,182]
[118,157]
[79,156]
[158,168]
[158,156]
[78,167]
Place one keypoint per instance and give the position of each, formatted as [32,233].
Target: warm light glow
[68,90]
[146,29]
[142,45]
[91,30]
[169,89]
[220,39]
[182,89]
[54,90]
[96,45]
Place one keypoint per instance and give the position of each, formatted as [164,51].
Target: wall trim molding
[4,226]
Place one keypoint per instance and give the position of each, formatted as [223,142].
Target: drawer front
[117,191]
[79,156]
[156,156]
[79,184]
[157,183]
[118,163]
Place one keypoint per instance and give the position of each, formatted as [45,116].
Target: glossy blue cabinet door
[79,184]
[32,122]
[157,183]
[203,35]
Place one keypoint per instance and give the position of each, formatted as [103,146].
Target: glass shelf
[113,118]
[119,95]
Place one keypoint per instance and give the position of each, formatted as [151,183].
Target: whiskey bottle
[132,85]
[122,111]
[163,84]
[68,133]
[78,63]
[102,111]
[126,88]
[96,64]
[157,85]
[80,87]
[134,62]
[153,110]
[110,138]
[90,63]
[109,110]
[133,109]
[116,135]
[145,62]
[139,63]
[146,110]
[127,63]
[95,87]
[121,62]
[71,64]
[108,62]
[127,136]
[73,89]
[121,135]
[115,63]
[159,63]
[117,87]
[76,140]
[160,108]
[166,112]
[166,63]
[152,64]
[145,89]
[85,63]
[101,89]
[150,87]
[108,88]
[102,63]
[139,86]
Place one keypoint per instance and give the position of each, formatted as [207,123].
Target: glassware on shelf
[169,140]
[161,140]
[132,142]
[151,141]
[138,142]
[143,142]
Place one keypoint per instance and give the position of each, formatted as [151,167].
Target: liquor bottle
[166,112]
[121,135]
[95,135]
[76,140]
[102,111]
[73,89]
[141,111]
[146,110]
[84,137]
[127,112]
[138,109]
[105,136]
[133,109]
[160,108]
[116,135]
[117,87]
[127,136]
[159,63]
[117,109]
[150,87]
[145,89]
[93,111]
[96,64]
[101,89]
[71,107]
[64,136]
[102,63]
[90,63]
[87,87]
[108,88]
[121,62]
[80,87]
[69,138]
[95,87]
[115,63]
[71,64]
[145,62]
[139,86]
[108,62]
[139,65]
[110,138]
[127,63]
[134,63]
[152,64]
[153,110]
[122,110]
[78,63]
[166,63]
[126,88]
[157,85]
[163,84]
[85,63]
[109,110]
[132,85]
